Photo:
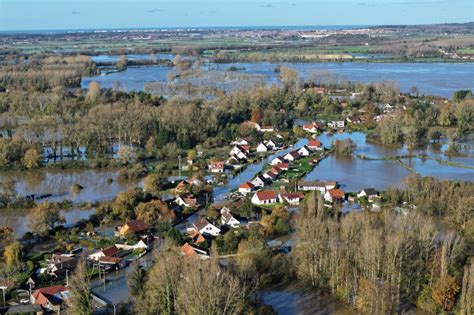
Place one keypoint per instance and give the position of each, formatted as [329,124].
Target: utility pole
[179,165]
[67,277]
[3,288]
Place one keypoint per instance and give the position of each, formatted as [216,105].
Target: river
[431,78]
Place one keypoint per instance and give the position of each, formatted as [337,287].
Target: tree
[12,254]
[94,91]
[161,289]
[122,62]
[220,292]
[80,300]
[136,282]
[31,159]
[127,154]
[44,217]
[289,77]
[191,155]
[153,183]
[151,147]
[444,292]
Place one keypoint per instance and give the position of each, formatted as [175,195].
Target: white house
[265,197]
[270,175]
[271,145]
[309,186]
[261,148]
[277,160]
[315,145]
[292,156]
[240,142]
[330,185]
[334,194]
[259,181]
[205,227]
[370,193]
[336,124]
[310,128]
[217,167]
[267,129]
[304,151]
[246,188]
[228,219]
[293,198]
[239,149]
[106,252]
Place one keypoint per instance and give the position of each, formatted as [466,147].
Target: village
[198,222]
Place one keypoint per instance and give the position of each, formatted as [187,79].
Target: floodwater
[19,223]
[431,78]
[295,298]
[355,174]
[96,184]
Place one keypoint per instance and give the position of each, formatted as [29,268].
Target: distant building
[265,197]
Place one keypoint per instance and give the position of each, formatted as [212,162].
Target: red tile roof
[246,185]
[44,295]
[295,195]
[110,260]
[266,195]
[314,143]
[337,193]
[283,166]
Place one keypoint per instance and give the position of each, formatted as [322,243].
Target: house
[276,170]
[198,238]
[315,145]
[111,251]
[246,188]
[330,185]
[265,197]
[60,264]
[51,298]
[271,145]
[260,181]
[270,175]
[240,142]
[228,219]
[293,198]
[181,187]
[137,227]
[193,251]
[310,127]
[312,185]
[267,129]
[195,181]
[304,151]
[334,195]
[277,160]
[335,124]
[239,150]
[261,148]
[217,167]
[205,227]
[353,119]
[319,90]
[292,156]
[283,166]
[370,193]
[187,200]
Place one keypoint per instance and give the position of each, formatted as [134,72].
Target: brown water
[58,183]
[296,298]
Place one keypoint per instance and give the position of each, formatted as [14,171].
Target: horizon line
[18,31]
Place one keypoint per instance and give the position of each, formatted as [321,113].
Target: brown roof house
[137,227]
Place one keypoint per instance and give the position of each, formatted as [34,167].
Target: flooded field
[431,78]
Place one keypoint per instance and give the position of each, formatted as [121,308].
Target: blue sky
[94,14]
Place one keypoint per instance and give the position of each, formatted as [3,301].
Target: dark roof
[370,191]
[201,223]
[311,183]
[111,251]
[138,226]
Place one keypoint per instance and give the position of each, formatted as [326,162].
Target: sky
[100,14]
